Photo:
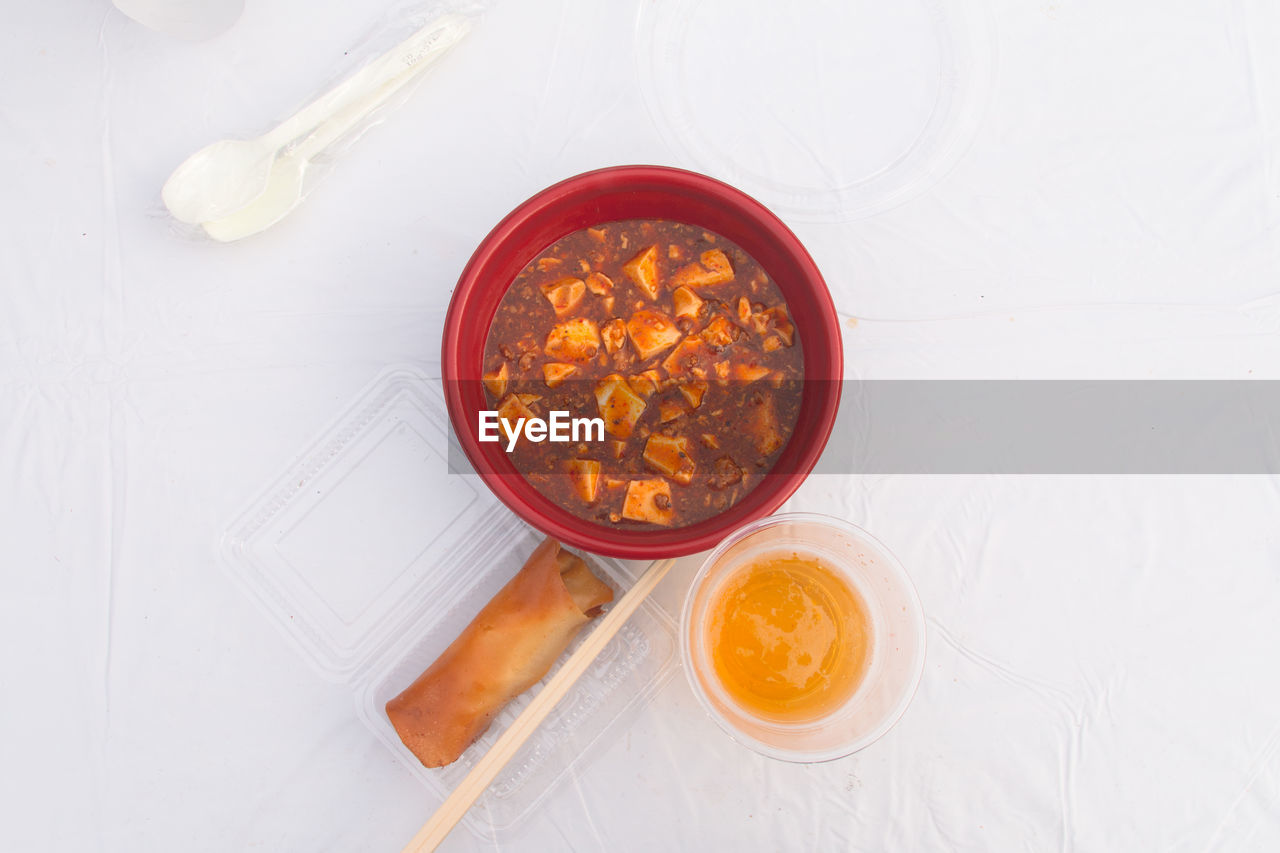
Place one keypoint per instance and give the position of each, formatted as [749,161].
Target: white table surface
[1103,658]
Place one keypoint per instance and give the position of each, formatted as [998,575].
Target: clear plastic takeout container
[371,556]
[826,112]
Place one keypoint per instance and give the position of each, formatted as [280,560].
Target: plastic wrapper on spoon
[234,188]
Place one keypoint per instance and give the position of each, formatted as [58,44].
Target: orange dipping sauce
[790,639]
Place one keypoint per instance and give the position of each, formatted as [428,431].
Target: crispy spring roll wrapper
[507,648]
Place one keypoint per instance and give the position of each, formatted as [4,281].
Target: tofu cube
[564,294]
[693,392]
[584,474]
[781,323]
[711,269]
[614,334]
[763,427]
[648,501]
[574,340]
[556,372]
[669,410]
[645,384]
[620,407]
[599,284]
[746,372]
[687,303]
[720,333]
[496,381]
[692,357]
[652,332]
[511,410]
[643,271]
[670,455]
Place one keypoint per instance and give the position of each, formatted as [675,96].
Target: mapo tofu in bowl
[677,341]
[671,308]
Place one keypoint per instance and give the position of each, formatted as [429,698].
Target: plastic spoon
[227,175]
[283,187]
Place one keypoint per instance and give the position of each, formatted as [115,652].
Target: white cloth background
[1103,651]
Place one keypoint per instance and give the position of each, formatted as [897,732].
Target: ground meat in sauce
[674,336]
[724,473]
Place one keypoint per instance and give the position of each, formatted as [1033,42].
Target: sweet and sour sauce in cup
[789,638]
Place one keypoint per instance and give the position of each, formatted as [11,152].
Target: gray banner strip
[1056,427]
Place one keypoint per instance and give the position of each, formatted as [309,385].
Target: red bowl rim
[777,488]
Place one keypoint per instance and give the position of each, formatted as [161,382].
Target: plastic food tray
[371,556]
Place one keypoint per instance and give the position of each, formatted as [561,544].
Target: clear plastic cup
[190,20]
[897,637]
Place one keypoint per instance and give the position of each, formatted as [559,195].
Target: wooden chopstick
[455,806]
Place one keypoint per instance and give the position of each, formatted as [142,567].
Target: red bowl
[640,192]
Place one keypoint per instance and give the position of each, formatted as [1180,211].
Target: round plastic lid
[826,112]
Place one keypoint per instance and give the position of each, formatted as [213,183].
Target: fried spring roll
[507,648]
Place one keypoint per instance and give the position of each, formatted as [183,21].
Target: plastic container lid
[371,556]
[341,546]
[825,112]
